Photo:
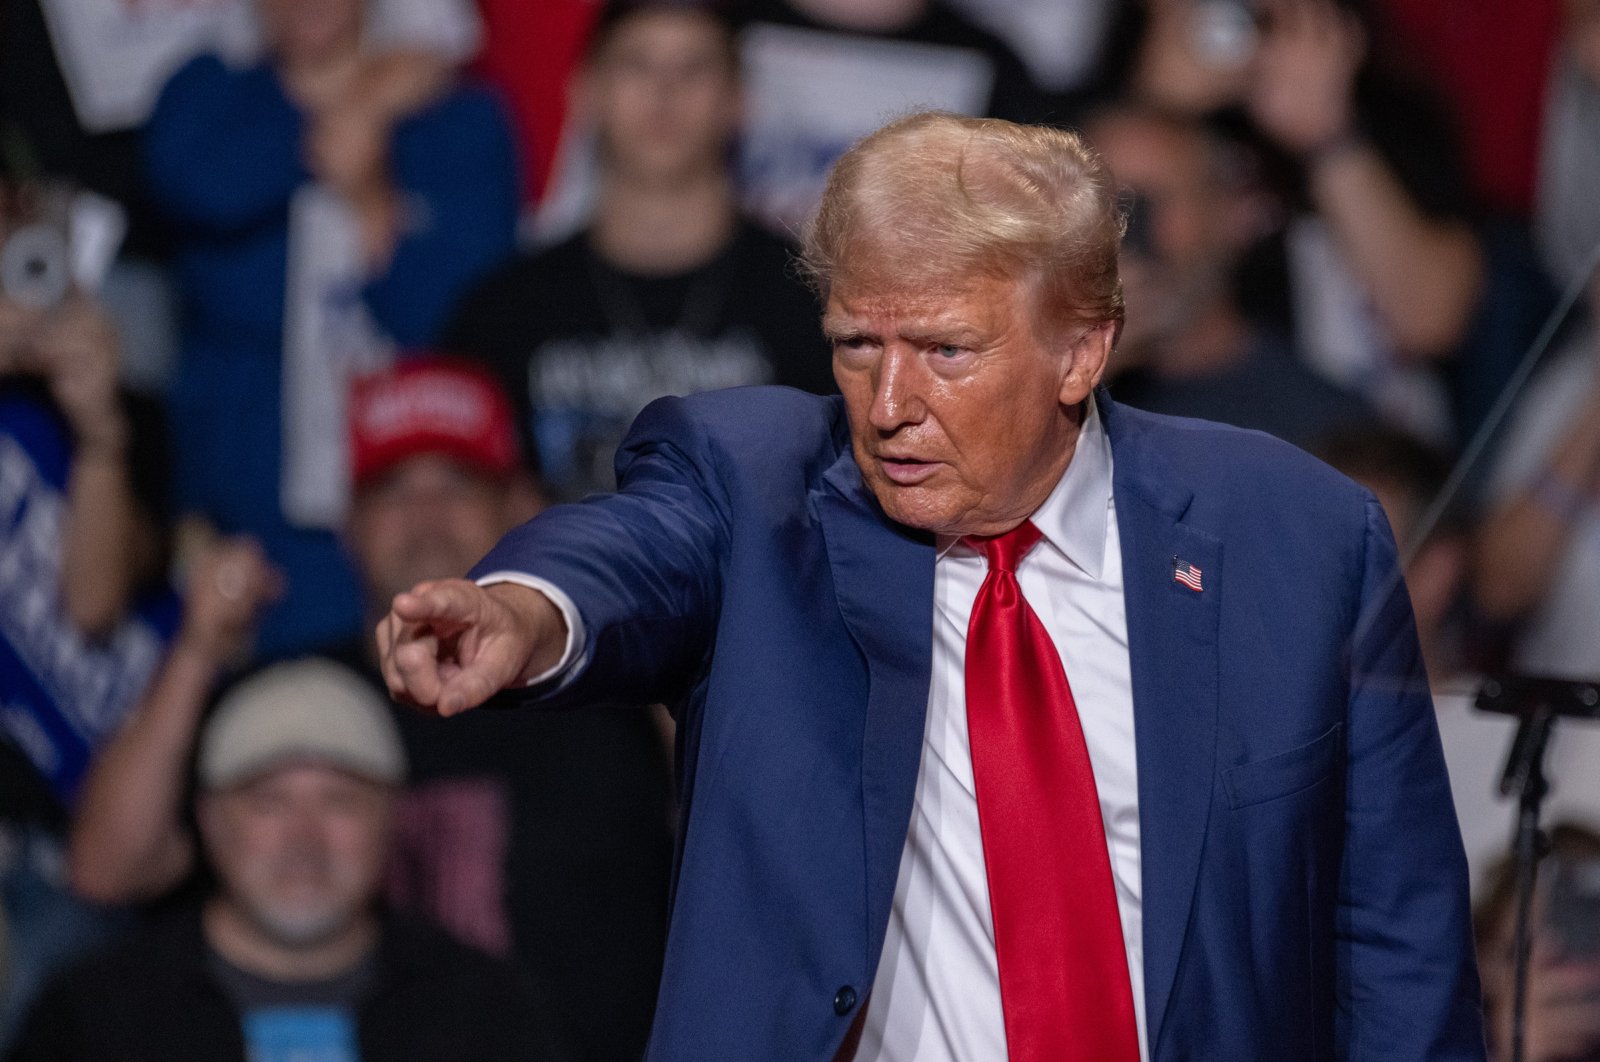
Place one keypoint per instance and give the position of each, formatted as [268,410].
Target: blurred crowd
[305,301]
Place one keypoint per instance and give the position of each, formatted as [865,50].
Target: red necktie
[1057,934]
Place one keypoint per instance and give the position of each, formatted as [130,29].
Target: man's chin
[916,507]
[304,927]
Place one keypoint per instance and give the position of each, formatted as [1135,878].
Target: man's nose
[897,398]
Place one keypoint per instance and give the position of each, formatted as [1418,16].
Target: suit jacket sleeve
[1408,986]
[643,565]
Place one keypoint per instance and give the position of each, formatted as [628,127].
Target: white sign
[117,54]
[811,93]
[329,337]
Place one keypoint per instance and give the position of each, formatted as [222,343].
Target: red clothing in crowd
[1491,60]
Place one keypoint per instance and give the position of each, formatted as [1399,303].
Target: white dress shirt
[937,993]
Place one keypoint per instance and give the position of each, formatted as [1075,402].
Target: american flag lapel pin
[1187,574]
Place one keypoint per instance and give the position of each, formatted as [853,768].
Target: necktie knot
[1005,552]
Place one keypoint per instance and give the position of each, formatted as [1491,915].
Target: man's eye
[948,350]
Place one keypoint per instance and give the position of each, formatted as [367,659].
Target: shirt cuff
[573,655]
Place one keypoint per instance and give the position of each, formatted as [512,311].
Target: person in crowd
[1562,1022]
[543,838]
[1539,550]
[290,955]
[1385,273]
[1189,349]
[1001,692]
[1566,221]
[83,609]
[422,173]
[669,290]
[1538,553]
[1407,476]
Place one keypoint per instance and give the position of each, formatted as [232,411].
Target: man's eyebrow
[835,329]
[953,334]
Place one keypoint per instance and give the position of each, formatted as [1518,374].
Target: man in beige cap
[290,956]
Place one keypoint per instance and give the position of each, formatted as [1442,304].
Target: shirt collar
[1073,517]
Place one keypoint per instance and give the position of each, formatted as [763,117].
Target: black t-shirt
[249,991]
[157,995]
[583,346]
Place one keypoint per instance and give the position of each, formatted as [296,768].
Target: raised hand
[1303,77]
[76,348]
[232,583]
[449,645]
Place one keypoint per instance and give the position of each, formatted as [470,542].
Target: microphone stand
[1537,703]
[1524,775]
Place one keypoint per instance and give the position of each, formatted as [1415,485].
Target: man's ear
[1089,355]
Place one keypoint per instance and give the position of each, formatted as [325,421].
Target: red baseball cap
[430,405]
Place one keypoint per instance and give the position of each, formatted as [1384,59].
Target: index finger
[410,663]
[450,603]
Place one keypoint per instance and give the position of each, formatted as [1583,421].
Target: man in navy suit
[1011,722]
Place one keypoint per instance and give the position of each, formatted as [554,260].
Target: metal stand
[1537,703]
[1524,776]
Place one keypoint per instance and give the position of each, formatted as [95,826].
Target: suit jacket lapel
[1173,655]
[883,579]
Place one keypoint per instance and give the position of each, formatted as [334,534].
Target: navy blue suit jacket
[1304,886]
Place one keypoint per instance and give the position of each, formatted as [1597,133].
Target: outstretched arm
[641,567]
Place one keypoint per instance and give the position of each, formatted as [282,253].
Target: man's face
[664,95]
[427,518]
[1190,226]
[299,850]
[311,30]
[962,419]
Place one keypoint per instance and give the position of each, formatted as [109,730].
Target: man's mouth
[907,471]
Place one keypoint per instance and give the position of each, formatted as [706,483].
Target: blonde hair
[935,197]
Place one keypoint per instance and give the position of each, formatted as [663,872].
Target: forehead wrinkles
[980,304]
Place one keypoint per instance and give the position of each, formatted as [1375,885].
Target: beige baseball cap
[311,710]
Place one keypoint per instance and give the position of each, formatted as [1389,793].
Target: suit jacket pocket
[1284,773]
